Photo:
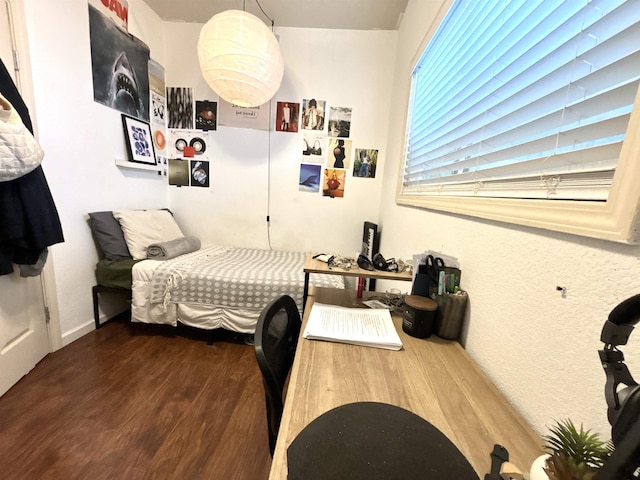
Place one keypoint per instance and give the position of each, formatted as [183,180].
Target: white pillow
[141,228]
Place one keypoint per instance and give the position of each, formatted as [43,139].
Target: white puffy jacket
[19,151]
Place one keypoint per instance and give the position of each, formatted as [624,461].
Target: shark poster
[116,10]
[120,67]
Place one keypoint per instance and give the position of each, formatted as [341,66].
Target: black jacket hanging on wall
[29,220]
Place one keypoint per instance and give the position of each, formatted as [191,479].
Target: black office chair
[276,339]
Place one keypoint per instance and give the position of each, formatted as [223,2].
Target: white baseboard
[78,332]
[82,330]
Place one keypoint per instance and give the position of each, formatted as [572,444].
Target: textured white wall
[538,347]
[81,140]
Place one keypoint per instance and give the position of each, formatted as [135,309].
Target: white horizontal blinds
[524,99]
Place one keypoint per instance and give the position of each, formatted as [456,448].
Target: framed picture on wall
[139,141]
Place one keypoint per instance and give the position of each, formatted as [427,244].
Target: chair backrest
[275,343]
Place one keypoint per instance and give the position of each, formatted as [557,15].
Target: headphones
[623,405]
[387,265]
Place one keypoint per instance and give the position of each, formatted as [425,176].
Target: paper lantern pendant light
[240,58]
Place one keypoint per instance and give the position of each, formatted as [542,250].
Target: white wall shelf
[160,169]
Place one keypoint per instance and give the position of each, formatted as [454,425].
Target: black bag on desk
[430,275]
[420,284]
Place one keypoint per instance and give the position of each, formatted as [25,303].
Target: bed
[207,287]
[219,287]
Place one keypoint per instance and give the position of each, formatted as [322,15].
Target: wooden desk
[312,265]
[433,378]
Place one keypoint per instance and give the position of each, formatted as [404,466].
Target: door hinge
[16,60]
[47,316]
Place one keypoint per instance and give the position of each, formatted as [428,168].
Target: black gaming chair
[276,339]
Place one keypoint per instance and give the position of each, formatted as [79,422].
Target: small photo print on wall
[206,115]
[365,163]
[313,114]
[160,141]
[339,153]
[156,78]
[309,178]
[313,147]
[339,122]
[333,184]
[180,107]
[287,114]
[158,109]
[159,123]
[199,173]
[179,172]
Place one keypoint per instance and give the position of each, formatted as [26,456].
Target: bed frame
[96,290]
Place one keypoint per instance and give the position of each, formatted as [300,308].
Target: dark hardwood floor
[138,402]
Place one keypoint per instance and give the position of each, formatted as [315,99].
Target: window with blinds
[523,99]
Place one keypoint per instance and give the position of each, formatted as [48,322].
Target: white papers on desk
[357,326]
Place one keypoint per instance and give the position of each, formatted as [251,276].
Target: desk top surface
[312,265]
[432,377]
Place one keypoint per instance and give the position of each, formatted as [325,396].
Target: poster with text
[230,115]
[115,10]
[156,78]
[159,125]
[158,105]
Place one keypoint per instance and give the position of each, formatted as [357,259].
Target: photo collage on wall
[327,151]
[192,121]
[189,123]
[127,79]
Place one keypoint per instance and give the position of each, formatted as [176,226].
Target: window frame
[616,219]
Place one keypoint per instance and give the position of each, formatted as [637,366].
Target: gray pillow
[108,234]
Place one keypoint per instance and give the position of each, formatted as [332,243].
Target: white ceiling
[340,14]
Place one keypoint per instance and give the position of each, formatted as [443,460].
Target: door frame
[24,74]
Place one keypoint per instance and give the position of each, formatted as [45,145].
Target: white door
[24,338]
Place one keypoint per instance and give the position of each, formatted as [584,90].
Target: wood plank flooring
[138,402]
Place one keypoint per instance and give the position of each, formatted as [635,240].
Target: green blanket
[115,273]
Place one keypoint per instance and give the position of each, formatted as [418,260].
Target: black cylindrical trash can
[418,316]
